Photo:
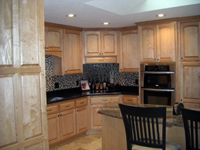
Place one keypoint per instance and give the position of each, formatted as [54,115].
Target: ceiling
[119,13]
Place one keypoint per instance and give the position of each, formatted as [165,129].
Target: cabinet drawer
[103,100]
[96,60]
[67,106]
[130,99]
[81,102]
[52,109]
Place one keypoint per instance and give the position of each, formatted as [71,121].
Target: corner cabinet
[190,40]
[129,51]
[72,54]
[158,42]
[100,43]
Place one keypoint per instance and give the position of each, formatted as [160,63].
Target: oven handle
[162,90]
[158,72]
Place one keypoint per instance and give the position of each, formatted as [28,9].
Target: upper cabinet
[157,42]
[129,51]
[72,53]
[53,41]
[100,43]
[189,41]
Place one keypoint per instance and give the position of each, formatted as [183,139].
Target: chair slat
[145,130]
[141,129]
[158,134]
[153,130]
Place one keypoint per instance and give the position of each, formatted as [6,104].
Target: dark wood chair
[191,120]
[145,128]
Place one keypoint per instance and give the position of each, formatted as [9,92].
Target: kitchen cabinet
[82,115]
[97,103]
[129,51]
[190,83]
[53,39]
[157,42]
[189,40]
[23,116]
[67,119]
[72,55]
[130,99]
[100,43]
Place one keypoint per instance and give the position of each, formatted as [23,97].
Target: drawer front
[130,99]
[67,106]
[104,100]
[81,102]
[52,109]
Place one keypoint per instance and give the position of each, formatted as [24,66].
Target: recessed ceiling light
[71,15]
[106,23]
[160,15]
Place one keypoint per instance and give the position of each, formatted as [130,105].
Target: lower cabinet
[130,99]
[97,103]
[67,119]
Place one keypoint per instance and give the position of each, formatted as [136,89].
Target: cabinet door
[92,43]
[53,41]
[166,42]
[72,52]
[147,38]
[190,82]
[53,128]
[129,52]
[189,41]
[82,119]
[109,43]
[95,116]
[67,124]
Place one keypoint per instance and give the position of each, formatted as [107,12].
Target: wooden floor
[89,142]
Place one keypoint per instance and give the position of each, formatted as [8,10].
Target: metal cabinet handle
[67,106]
[129,100]
[49,110]
[82,103]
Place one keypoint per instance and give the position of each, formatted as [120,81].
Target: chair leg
[129,146]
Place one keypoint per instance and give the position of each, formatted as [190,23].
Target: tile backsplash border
[69,81]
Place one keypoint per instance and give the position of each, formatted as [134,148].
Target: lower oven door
[158,96]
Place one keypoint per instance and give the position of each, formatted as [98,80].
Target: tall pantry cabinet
[23,117]
[189,61]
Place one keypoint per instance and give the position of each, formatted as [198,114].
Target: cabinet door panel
[95,116]
[190,39]
[166,42]
[92,43]
[148,43]
[129,53]
[82,119]
[53,39]
[190,82]
[67,124]
[53,128]
[109,43]
[72,52]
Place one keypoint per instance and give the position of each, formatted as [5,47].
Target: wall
[68,81]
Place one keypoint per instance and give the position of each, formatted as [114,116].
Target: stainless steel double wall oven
[157,83]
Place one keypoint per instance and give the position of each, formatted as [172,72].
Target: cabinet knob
[99,53]
[58,115]
[182,58]
[157,59]
[102,53]
[47,47]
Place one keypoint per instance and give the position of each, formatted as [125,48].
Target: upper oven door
[155,80]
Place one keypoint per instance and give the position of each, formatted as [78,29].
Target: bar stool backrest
[191,120]
[144,126]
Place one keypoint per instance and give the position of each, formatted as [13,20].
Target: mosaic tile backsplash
[68,81]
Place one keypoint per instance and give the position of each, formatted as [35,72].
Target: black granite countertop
[171,120]
[68,94]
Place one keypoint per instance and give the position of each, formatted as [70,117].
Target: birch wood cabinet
[100,43]
[72,57]
[97,103]
[130,99]
[66,120]
[190,84]
[129,51]
[158,42]
[23,117]
[189,40]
